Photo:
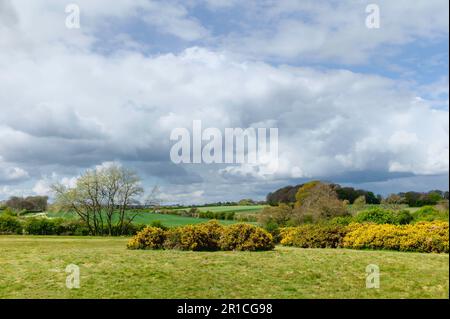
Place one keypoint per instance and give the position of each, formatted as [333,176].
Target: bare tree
[101,198]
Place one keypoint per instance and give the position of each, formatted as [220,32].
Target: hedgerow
[10,225]
[58,226]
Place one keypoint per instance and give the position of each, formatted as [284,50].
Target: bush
[430,213]
[217,215]
[129,229]
[158,224]
[194,237]
[9,212]
[148,238]
[341,220]
[420,237]
[313,236]
[41,226]
[403,217]
[10,225]
[208,236]
[376,215]
[72,228]
[274,217]
[245,237]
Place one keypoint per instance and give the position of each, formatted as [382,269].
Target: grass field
[33,267]
[173,220]
[147,218]
[236,209]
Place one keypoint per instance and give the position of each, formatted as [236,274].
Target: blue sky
[365,107]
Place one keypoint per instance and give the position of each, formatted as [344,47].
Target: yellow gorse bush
[313,236]
[205,236]
[420,237]
[245,237]
[194,237]
[148,238]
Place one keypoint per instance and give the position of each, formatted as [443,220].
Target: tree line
[287,195]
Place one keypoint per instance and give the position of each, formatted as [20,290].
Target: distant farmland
[226,209]
[147,217]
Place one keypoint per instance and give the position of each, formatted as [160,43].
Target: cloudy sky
[366,107]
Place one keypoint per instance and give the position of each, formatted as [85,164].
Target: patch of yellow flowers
[420,237]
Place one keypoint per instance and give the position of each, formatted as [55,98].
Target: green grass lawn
[33,267]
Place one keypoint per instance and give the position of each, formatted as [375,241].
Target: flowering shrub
[194,237]
[245,237]
[206,236]
[420,237]
[313,236]
[148,238]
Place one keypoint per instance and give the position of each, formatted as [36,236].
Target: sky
[364,107]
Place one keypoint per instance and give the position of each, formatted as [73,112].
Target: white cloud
[322,115]
[43,185]
[336,31]
[64,106]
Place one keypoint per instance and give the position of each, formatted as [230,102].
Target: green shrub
[40,226]
[9,212]
[313,236]
[10,225]
[430,213]
[245,237]
[57,226]
[376,215]
[230,215]
[341,220]
[128,229]
[148,238]
[403,217]
[158,224]
[71,228]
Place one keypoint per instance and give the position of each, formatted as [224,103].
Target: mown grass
[33,267]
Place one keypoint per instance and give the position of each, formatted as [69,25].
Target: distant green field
[173,220]
[34,267]
[236,209]
[147,218]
